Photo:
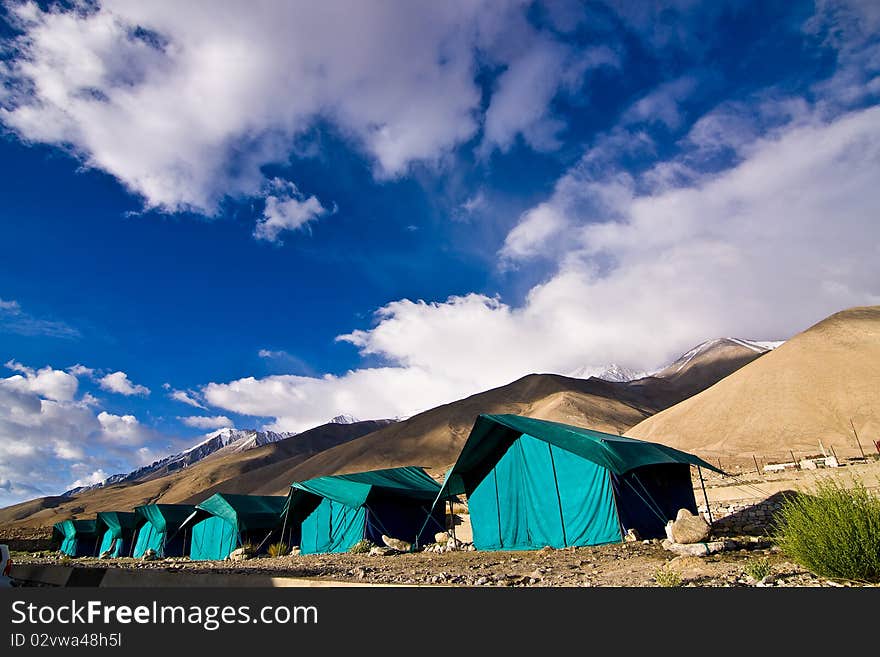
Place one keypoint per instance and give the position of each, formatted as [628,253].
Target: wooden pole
[796,464]
[705,496]
[858,442]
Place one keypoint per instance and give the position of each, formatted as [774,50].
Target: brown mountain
[434,438]
[261,470]
[820,385]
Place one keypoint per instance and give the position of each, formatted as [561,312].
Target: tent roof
[163,516]
[354,489]
[71,528]
[115,520]
[243,511]
[493,434]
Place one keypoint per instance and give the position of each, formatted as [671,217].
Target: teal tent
[531,483]
[115,529]
[77,537]
[156,528]
[224,522]
[331,514]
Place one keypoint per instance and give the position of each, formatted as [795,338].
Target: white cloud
[119,382]
[205,422]
[186,397]
[47,382]
[662,104]
[520,104]
[765,248]
[184,106]
[123,429]
[286,209]
[95,477]
[81,370]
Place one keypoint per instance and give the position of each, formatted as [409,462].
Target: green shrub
[363,546]
[758,569]
[666,577]
[833,532]
[278,549]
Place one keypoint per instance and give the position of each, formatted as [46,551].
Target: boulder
[241,554]
[379,551]
[150,555]
[631,536]
[688,528]
[441,537]
[295,551]
[396,543]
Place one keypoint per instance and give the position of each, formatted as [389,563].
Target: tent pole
[284,525]
[452,520]
[705,496]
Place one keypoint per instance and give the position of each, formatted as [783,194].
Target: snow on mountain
[224,441]
[612,372]
[620,374]
[709,345]
[344,418]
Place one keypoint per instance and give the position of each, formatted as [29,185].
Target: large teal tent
[331,514]
[531,483]
[115,529]
[224,522]
[157,528]
[77,537]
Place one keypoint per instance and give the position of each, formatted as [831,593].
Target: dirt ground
[622,565]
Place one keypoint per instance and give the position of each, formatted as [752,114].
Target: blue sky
[264,216]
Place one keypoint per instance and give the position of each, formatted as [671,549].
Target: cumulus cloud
[205,422]
[764,248]
[119,382]
[184,106]
[286,209]
[13,319]
[46,382]
[95,477]
[49,435]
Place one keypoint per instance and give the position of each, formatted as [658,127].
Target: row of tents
[528,483]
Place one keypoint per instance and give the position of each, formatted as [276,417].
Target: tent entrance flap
[538,494]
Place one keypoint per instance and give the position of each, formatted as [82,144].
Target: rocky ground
[638,564]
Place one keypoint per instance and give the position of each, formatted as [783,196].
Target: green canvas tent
[224,522]
[331,514]
[531,483]
[115,529]
[76,537]
[156,528]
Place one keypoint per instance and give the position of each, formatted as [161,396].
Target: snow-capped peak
[612,372]
[344,418]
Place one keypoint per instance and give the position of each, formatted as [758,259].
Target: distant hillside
[809,389]
[434,438]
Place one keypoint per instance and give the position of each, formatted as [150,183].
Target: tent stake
[755,459]
[705,496]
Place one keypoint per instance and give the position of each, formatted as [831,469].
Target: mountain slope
[260,470]
[224,441]
[434,438]
[804,391]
